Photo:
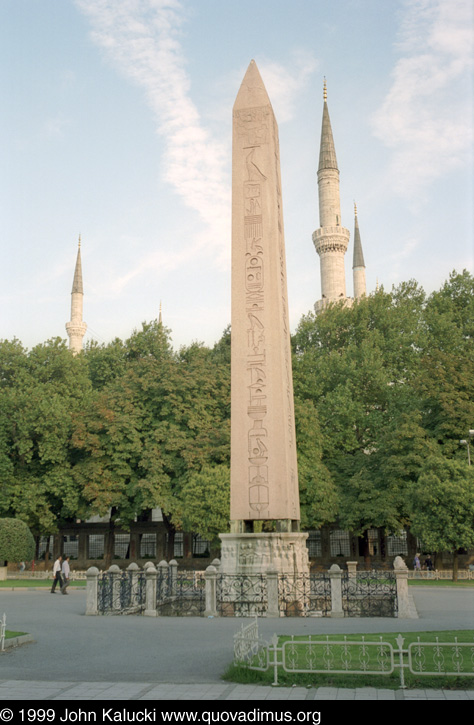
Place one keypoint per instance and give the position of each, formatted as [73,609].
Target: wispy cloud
[142,39]
[426,117]
[283,86]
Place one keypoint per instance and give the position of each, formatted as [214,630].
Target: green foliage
[391,381]
[38,407]
[381,388]
[206,502]
[16,541]
[442,505]
[318,495]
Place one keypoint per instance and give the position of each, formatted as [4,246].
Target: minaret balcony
[329,240]
[76,328]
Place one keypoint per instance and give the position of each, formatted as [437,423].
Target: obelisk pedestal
[264,475]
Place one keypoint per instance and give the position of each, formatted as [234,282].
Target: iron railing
[241,595]
[180,593]
[168,591]
[121,592]
[302,595]
[350,657]
[369,594]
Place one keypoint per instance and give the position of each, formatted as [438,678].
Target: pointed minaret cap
[327,154]
[252,92]
[358,259]
[77,285]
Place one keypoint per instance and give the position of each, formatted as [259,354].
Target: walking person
[65,571]
[57,574]
[429,563]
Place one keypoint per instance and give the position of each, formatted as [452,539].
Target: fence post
[273,608]
[351,569]
[150,592]
[210,575]
[133,570]
[401,574]
[116,577]
[335,574]
[92,577]
[163,588]
[3,629]
[173,576]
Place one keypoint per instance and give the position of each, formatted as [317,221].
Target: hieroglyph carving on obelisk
[264,477]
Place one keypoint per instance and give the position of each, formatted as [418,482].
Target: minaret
[331,239]
[358,265]
[76,328]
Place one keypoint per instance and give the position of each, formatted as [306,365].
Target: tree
[45,389]
[447,361]
[318,494]
[150,428]
[16,541]
[206,502]
[442,506]
[357,365]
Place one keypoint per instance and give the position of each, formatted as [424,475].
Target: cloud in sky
[283,86]
[425,119]
[141,38]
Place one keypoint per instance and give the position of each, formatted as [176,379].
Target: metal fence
[180,593]
[241,595]
[121,592]
[304,595]
[442,574]
[351,657]
[369,594]
[167,590]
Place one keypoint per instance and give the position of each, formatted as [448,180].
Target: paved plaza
[75,657]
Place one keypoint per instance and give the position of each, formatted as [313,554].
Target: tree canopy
[382,388]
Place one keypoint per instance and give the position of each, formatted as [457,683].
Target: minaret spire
[76,328]
[358,264]
[331,239]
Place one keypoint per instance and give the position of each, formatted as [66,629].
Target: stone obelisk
[264,475]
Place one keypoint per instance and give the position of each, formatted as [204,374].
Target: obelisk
[264,474]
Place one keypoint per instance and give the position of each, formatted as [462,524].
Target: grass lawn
[22,583]
[9,634]
[347,656]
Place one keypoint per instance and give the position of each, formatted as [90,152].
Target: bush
[16,541]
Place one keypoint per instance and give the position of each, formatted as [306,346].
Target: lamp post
[466,442]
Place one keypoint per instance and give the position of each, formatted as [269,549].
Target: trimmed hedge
[16,541]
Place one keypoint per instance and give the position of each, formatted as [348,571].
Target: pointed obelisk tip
[252,91]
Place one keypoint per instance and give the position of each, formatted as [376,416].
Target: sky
[117,126]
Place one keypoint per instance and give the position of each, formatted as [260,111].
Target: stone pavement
[134,691]
[130,658]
